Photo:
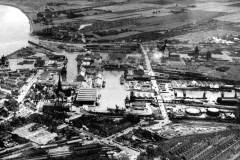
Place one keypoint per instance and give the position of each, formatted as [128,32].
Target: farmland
[131,20]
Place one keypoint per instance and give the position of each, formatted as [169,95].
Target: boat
[122,80]
[103,84]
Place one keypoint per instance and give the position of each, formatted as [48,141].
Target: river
[14,29]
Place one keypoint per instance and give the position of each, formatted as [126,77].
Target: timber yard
[123,80]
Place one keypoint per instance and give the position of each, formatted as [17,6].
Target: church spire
[59,87]
[3,60]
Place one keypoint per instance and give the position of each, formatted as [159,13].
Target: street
[24,90]
[155,86]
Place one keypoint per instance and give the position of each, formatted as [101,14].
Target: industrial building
[86,96]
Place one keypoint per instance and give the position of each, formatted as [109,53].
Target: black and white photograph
[119,79]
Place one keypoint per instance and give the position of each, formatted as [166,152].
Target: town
[107,81]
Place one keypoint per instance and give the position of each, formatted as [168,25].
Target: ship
[103,84]
[122,80]
[110,112]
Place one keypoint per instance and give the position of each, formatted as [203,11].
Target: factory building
[58,110]
[193,111]
[213,112]
[228,101]
[86,96]
[142,96]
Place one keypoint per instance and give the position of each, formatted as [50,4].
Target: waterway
[114,93]
[15,33]
[71,65]
[14,29]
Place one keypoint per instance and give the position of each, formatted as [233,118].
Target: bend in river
[14,29]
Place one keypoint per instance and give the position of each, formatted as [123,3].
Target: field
[141,18]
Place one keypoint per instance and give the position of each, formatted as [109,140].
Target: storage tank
[193,111]
[213,112]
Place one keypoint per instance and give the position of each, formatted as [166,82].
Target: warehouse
[86,96]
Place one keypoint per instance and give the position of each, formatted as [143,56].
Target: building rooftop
[86,94]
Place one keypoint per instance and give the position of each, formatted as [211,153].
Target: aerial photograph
[119,79]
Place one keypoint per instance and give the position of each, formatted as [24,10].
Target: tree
[12,105]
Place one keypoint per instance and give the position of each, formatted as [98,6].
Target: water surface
[114,93]
[14,29]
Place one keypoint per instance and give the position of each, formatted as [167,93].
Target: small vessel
[97,102]
[103,84]
[122,80]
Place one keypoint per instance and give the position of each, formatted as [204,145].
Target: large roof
[193,111]
[213,110]
[86,94]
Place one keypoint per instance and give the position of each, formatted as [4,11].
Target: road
[24,90]
[155,86]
